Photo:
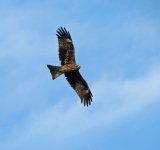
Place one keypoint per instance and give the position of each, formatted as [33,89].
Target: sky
[117,46]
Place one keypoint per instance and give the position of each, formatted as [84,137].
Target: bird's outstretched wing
[66,47]
[80,86]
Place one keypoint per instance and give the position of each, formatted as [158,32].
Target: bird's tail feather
[55,71]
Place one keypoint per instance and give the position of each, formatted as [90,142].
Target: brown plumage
[69,67]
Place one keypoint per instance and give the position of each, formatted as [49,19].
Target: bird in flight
[69,67]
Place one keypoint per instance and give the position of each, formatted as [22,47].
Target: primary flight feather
[69,67]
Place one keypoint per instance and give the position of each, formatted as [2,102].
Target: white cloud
[114,100]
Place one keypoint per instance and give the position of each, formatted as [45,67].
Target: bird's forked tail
[55,71]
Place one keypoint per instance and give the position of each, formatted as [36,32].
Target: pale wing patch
[87,91]
[68,40]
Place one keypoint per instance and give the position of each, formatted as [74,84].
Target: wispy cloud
[114,100]
[123,45]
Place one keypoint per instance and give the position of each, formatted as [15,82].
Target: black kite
[69,67]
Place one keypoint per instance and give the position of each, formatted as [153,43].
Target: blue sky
[117,45]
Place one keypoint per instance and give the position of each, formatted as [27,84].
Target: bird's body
[69,67]
[58,70]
